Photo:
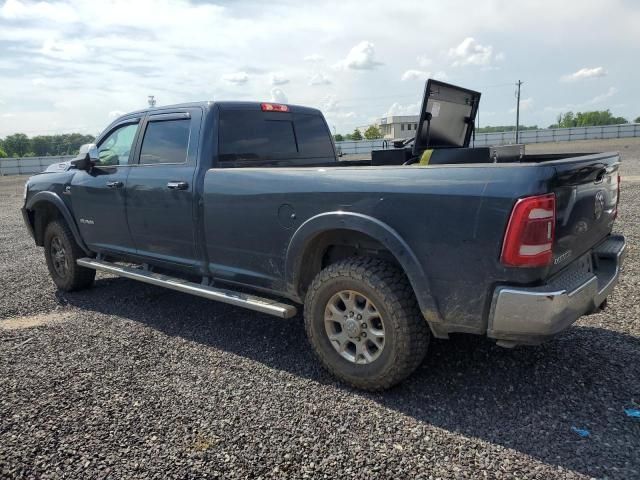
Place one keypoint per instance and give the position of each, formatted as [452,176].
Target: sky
[75,65]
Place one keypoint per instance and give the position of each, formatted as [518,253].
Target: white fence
[28,165]
[626,130]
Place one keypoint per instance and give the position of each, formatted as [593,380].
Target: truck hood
[58,167]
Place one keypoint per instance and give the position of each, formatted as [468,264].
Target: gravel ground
[132,381]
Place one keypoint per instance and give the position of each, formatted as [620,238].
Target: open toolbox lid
[446,117]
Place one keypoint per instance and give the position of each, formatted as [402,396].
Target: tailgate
[586,191]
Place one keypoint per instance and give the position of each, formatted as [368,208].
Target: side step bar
[251,302]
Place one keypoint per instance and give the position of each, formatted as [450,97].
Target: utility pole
[152,101]
[518,111]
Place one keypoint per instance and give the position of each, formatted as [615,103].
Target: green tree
[356,135]
[16,145]
[587,119]
[372,133]
[338,138]
[3,154]
[41,145]
[637,120]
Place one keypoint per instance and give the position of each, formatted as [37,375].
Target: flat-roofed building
[398,126]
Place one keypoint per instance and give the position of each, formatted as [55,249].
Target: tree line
[20,145]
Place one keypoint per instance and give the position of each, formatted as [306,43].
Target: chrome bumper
[532,315]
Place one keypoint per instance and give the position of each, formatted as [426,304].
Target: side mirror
[87,157]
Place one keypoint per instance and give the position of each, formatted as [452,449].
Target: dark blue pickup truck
[248,203]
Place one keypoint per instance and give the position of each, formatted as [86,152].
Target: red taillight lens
[274,107]
[528,241]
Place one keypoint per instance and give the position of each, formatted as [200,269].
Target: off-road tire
[73,277]
[406,331]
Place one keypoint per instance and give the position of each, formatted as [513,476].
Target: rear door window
[165,141]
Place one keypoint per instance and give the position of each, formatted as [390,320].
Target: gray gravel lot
[133,381]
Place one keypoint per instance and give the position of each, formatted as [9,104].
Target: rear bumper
[532,315]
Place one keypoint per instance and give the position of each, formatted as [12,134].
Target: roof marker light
[274,107]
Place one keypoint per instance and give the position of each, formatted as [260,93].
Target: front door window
[115,149]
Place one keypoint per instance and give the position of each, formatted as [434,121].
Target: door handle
[177,185]
[115,184]
[600,177]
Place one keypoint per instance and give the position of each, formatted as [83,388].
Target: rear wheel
[364,324]
[61,252]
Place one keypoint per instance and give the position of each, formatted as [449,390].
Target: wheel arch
[44,207]
[308,246]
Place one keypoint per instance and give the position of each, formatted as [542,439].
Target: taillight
[274,107]
[528,241]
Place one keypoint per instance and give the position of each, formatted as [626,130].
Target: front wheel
[364,324]
[61,252]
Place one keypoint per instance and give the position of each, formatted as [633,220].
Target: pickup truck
[247,203]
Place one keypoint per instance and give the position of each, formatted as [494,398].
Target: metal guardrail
[27,165]
[626,130]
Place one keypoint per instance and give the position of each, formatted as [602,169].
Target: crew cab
[247,203]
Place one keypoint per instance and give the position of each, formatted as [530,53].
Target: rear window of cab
[248,135]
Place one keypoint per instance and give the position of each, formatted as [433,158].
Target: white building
[398,126]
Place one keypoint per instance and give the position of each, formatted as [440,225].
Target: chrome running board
[251,302]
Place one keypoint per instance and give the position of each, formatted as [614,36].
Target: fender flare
[56,201]
[372,227]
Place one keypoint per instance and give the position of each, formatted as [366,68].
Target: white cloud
[584,73]
[360,57]
[64,50]
[525,105]
[415,75]
[470,52]
[277,95]
[422,75]
[238,78]
[342,115]
[398,109]
[332,110]
[598,99]
[314,57]
[319,79]
[278,79]
[54,11]
[601,98]
[423,61]
[112,115]
[329,104]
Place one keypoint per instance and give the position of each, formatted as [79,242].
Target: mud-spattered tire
[383,286]
[61,252]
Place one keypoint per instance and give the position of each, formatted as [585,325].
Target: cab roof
[207,105]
